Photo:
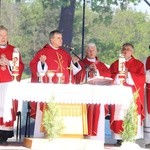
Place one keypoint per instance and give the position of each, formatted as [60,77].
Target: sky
[143,6]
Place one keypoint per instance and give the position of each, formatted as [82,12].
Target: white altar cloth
[63,93]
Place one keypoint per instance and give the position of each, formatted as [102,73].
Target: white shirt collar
[3,46]
[53,47]
[91,59]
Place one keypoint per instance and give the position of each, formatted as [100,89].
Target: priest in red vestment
[52,58]
[6,56]
[95,68]
[51,64]
[134,77]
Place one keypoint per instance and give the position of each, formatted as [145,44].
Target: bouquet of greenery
[130,122]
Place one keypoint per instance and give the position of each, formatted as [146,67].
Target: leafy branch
[52,121]
[130,121]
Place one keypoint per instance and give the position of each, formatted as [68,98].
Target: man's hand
[93,67]
[43,58]
[4,61]
[75,59]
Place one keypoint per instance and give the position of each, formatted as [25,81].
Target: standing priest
[86,69]
[9,65]
[134,76]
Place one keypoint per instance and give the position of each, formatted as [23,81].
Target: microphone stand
[86,66]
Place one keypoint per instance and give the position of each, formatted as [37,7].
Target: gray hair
[90,45]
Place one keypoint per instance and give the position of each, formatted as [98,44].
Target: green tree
[127,26]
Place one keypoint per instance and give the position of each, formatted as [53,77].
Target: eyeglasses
[126,49]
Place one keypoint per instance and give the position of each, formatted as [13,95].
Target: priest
[134,76]
[51,58]
[89,68]
[51,64]
[7,66]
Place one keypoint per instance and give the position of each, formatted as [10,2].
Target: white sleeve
[129,80]
[117,80]
[75,69]
[97,72]
[40,69]
[148,76]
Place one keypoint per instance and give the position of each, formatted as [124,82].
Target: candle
[121,63]
[15,61]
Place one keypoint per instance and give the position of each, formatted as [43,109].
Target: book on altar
[100,80]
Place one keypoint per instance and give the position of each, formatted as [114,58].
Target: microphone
[69,47]
[85,65]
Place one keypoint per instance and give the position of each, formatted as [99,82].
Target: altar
[64,93]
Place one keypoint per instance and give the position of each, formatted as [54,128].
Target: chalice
[50,75]
[15,74]
[40,75]
[59,75]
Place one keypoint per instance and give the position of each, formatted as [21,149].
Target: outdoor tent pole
[83,24]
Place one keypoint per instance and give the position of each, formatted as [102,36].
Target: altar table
[63,93]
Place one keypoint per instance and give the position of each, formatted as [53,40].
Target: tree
[103,8]
[30,23]
[66,23]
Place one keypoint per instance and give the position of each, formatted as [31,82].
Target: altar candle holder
[121,78]
[70,77]
[121,69]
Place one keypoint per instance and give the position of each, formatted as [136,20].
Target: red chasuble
[57,61]
[148,86]
[136,69]
[93,110]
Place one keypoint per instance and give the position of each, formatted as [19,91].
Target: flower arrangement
[52,121]
[130,121]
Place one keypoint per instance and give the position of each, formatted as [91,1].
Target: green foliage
[30,23]
[130,122]
[52,121]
